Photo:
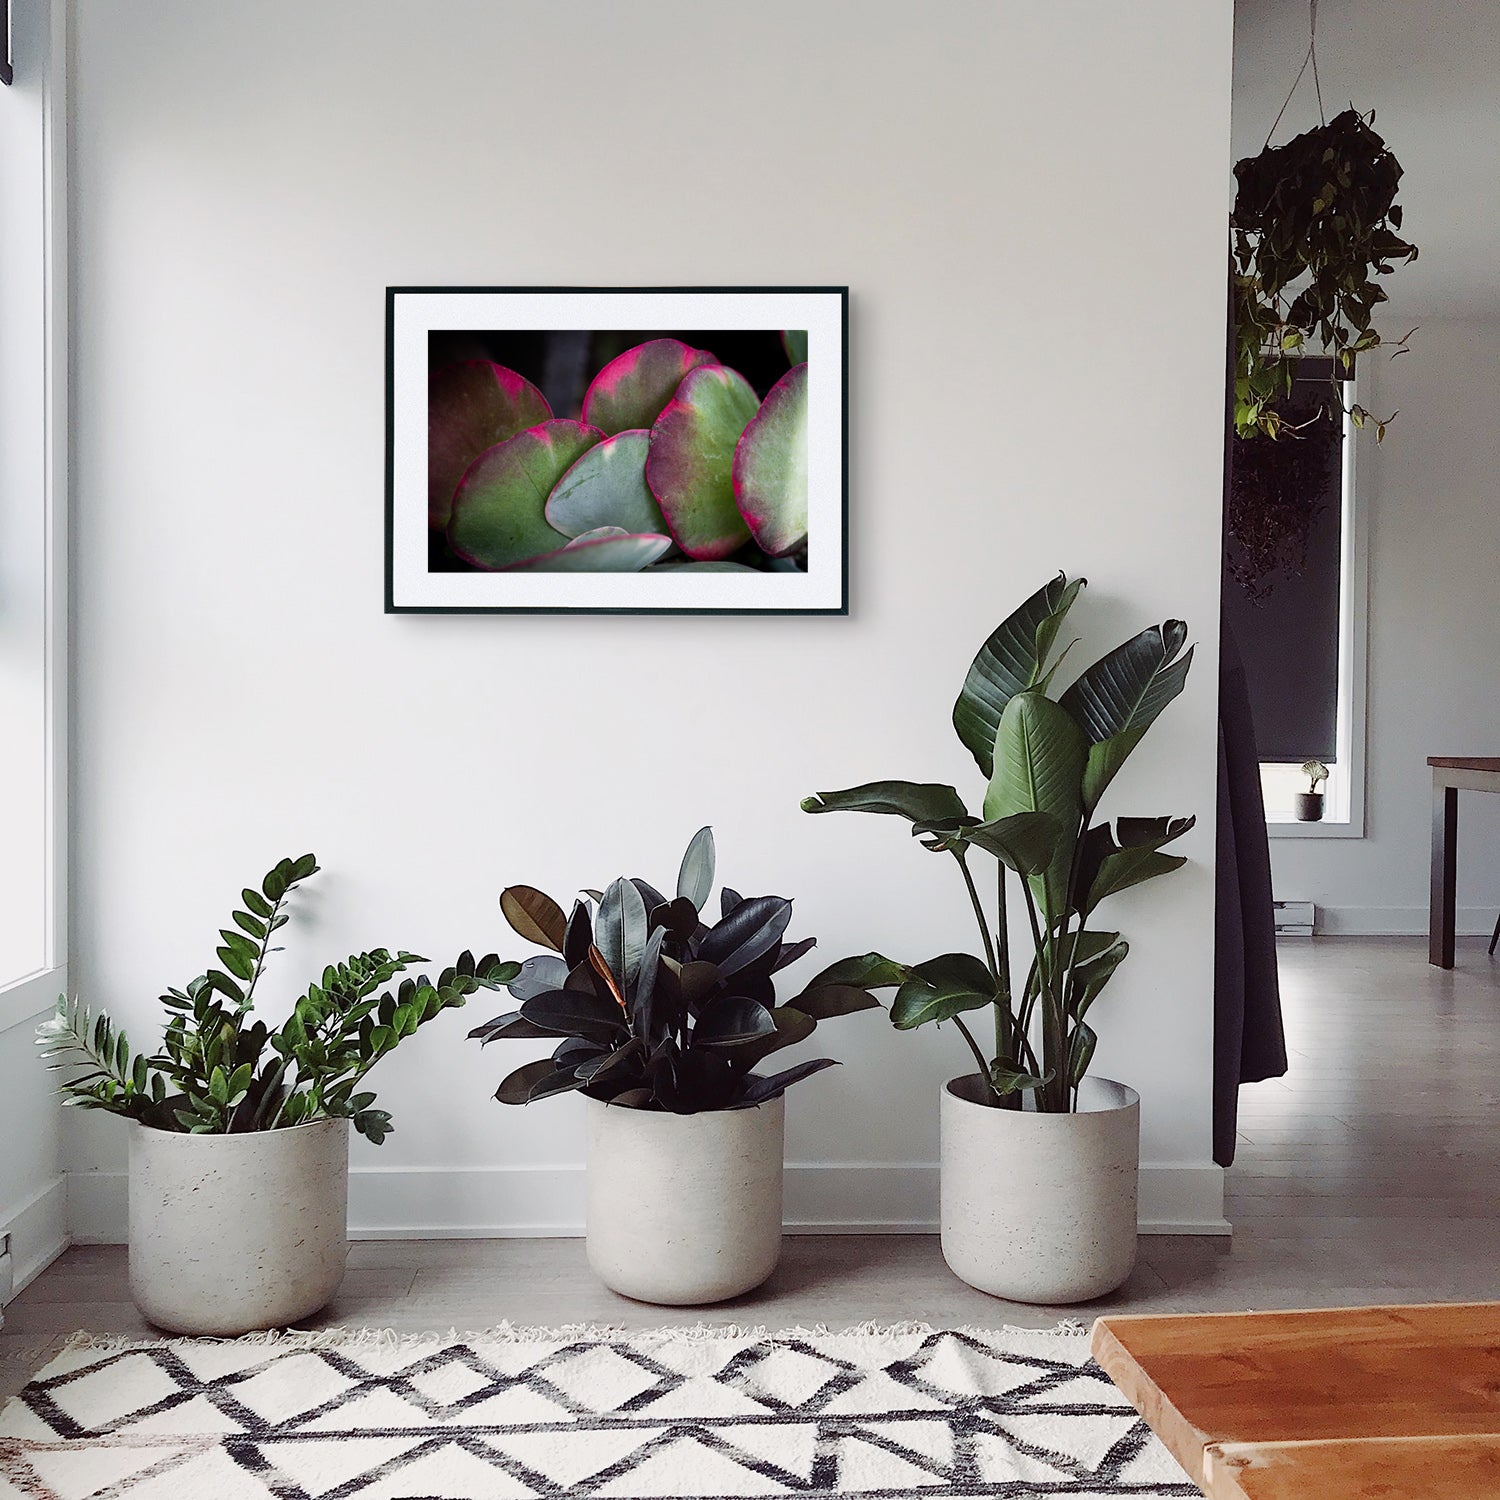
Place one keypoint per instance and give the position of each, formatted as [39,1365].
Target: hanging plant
[1314,224]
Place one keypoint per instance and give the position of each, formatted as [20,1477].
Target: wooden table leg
[1443,898]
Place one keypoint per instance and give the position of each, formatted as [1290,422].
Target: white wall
[1429,491]
[1028,204]
[1434,666]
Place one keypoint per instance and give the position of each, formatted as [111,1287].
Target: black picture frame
[407,308]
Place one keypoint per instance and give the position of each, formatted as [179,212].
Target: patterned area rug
[876,1412]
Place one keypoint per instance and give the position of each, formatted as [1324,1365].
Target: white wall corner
[542,1202]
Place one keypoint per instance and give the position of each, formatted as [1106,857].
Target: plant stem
[984,930]
[984,1067]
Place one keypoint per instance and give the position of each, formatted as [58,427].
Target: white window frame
[29,995]
[1344,791]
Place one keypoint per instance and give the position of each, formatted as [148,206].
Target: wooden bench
[1340,1404]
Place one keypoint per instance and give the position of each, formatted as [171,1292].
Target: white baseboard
[38,1229]
[1399,921]
[537,1202]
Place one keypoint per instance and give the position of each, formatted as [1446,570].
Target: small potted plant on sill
[239,1135]
[663,1019]
[1040,1161]
[1309,804]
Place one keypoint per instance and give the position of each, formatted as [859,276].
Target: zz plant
[656,1009]
[1048,762]
[221,1071]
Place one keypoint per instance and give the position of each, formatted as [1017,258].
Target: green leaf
[690,465]
[825,1001]
[794,341]
[868,971]
[498,509]
[940,989]
[1005,1078]
[1025,842]
[607,487]
[256,902]
[1039,763]
[607,550]
[1011,661]
[770,467]
[534,915]
[1080,1052]
[631,390]
[577,1013]
[921,802]
[695,876]
[1113,860]
[1118,699]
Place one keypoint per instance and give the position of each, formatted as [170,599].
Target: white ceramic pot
[1041,1207]
[230,1233]
[684,1209]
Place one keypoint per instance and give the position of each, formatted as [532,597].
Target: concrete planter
[684,1209]
[1308,806]
[230,1233]
[1040,1207]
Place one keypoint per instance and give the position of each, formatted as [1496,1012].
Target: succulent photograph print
[617,450]
[578,451]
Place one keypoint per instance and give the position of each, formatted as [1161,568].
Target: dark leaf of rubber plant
[1114,859]
[691,1082]
[1006,1078]
[794,341]
[695,875]
[547,971]
[643,992]
[512,1026]
[573,1050]
[636,1098]
[563,1081]
[792,1026]
[867,971]
[1025,842]
[534,915]
[690,468]
[770,467]
[516,1089]
[757,1090]
[602,551]
[1080,1052]
[1118,698]
[472,406]
[789,953]
[621,930]
[596,1068]
[729,898]
[631,390]
[649,893]
[919,801]
[729,1020]
[679,917]
[940,989]
[1011,661]
[578,936]
[1038,767]
[607,487]
[823,1002]
[499,507]
[574,1013]
[753,927]
[699,980]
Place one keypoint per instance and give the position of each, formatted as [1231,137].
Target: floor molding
[539,1202]
[1399,921]
[38,1229]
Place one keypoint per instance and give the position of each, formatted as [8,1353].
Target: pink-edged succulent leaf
[706,567]
[607,487]
[471,406]
[770,467]
[607,550]
[794,341]
[690,467]
[631,390]
[499,515]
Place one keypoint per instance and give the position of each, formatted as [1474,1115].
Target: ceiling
[1431,71]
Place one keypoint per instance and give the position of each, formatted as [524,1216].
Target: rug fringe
[291,1339]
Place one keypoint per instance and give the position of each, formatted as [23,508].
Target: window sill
[1327,828]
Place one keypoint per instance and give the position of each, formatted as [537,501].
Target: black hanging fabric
[1249,1043]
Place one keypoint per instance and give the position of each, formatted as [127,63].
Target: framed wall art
[668,450]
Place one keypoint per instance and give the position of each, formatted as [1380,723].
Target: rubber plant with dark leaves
[656,1009]
[1048,762]
[673,463]
[221,1071]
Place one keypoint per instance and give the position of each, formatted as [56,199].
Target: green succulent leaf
[607,550]
[770,468]
[1013,660]
[794,341]
[607,487]
[631,390]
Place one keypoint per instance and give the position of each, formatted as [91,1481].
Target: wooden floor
[1371,1173]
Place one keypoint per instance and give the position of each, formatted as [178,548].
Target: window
[1295,597]
[33,550]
